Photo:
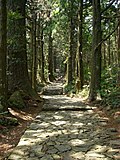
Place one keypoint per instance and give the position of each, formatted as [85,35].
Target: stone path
[67,129]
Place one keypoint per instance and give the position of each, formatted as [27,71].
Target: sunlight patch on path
[67,134]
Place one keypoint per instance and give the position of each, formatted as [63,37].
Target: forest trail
[67,129]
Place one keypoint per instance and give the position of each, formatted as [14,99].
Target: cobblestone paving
[74,134]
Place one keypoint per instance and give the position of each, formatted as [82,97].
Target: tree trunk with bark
[18,69]
[41,53]
[50,57]
[71,42]
[34,51]
[119,54]
[79,59]
[96,52]
[3,48]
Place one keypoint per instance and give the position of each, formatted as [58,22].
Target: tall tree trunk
[71,42]
[50,57]
[55,62]
[96,52]
[80,79]
[104,56]
[74,47]
[119,54]
[42,59]
[109,49]
[18,77]
[31,47]
[3,44]
[34,52]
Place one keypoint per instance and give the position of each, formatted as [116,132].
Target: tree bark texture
[96,52]
[71,42]
[119,54]
[3,48]
[79,47]
[41,50]
[17,63]
[50,57]
[34,51]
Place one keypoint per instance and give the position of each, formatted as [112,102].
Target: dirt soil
[10,135]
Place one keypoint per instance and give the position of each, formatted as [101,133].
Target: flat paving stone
[62,147]
[62,134]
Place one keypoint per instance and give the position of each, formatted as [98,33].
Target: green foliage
[108,80]
[69,89]
[113,98]
[85,91]
[8,121]
[14,15]
[110,92]
[86,75]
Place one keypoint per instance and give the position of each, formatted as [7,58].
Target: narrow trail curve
[67,129]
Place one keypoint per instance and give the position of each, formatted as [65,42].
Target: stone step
[66,109]
[52,91]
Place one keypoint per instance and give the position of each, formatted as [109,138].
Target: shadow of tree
[67,135]
[64,103]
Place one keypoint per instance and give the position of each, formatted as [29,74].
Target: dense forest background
[77,41]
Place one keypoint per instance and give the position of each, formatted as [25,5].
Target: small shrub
[110,92]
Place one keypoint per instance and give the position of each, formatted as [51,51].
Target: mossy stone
[16,100]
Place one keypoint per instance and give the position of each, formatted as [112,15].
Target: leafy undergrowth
[110,89]
[69,89]
[13,125]
[8,120]
[109,104]
[112,100]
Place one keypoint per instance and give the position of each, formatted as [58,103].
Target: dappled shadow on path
[68,135]
[68,129]
[64,103]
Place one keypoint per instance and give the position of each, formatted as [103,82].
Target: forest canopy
[77,41]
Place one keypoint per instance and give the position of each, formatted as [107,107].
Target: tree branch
[110,17]
[110,4]
[107,37]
